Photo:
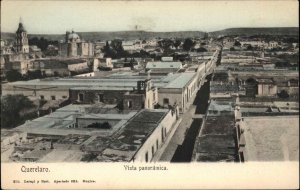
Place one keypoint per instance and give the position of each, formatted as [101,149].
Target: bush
[283,94]
[13,75]
[11,105]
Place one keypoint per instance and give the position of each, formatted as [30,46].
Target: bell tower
[21,39]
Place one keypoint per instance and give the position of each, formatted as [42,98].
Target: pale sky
[55,17]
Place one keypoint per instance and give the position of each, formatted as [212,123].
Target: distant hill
[290,31]
[129,35]
[7,35]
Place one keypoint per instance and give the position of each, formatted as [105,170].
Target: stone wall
[92,96]
[133,101]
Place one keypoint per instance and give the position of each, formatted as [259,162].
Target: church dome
[73,36]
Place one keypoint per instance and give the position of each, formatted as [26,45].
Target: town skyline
[133,15]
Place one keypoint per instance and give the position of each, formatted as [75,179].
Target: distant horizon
[156,31]
[55,17]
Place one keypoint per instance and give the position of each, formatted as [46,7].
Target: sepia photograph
[148,86]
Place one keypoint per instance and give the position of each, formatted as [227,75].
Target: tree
[117,45]
[42,43]
[177,43]
[188,44]
[13,75]
[201,49]
[144,54]
[165,44]
[37,74]
[56,74]
[237,43]
[11,105]
[51,52]
[116,49]
[106,48]
[249,47]
[283,94]
[108,52]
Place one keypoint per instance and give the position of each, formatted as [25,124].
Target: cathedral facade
[73,46]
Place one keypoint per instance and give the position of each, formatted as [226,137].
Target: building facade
[74,46]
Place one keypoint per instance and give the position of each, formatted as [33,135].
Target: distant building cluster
[252,114]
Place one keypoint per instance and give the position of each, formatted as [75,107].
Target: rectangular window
[146,157]
[64,96]
[52,97]
[80,97]
[42,97]
[157,144]
[166,101]
[101,97]
[152,151]
[129,104]
[165,132]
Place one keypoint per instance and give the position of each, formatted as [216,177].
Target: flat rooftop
[181,80]
[117,144]
[221,106]
[220,76]
[73,139]
[223,88]
[58,122]
[178,80]
[271,138]
[164,65]
[216,140]
[130,138]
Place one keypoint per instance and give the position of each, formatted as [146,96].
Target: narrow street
[181,146]
[184,152]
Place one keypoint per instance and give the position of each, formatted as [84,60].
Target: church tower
[21,39]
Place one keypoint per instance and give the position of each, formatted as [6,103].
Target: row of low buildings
[136,94]
[177,88]
[49,67]
[165,84]
[260,43]
[247,119]
[85,130]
